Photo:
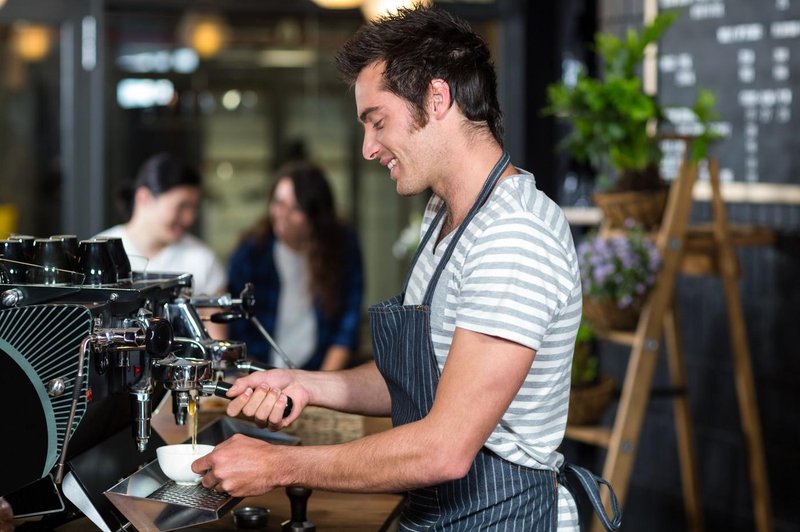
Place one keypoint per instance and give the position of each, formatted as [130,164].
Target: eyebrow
[363,116]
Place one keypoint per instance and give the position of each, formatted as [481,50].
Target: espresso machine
[84,360]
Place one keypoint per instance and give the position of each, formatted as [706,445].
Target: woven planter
[588,403]
[606,315]
[645,207]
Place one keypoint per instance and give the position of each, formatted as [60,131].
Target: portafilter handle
[220,388]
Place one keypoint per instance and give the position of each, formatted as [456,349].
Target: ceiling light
[207,33]
[31,42]
[338,4]
[372,9]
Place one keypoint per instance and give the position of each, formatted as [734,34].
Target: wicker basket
[645,207]
[587,404]
[606,315]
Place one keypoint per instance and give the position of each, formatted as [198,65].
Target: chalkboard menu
[748,53]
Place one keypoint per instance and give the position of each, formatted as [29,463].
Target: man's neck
[466,174]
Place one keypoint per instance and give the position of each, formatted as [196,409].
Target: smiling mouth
[391,164]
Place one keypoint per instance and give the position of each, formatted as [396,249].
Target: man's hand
[6,516]
[262,397]
[239,466]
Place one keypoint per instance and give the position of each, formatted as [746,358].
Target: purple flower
[621,268]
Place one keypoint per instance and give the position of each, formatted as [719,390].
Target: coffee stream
[194,413]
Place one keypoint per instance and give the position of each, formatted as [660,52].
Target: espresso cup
[176,461]
[5,278]
[70,243]
[119,256]
[95,263]
[14,252]
[54,268]
[27,245]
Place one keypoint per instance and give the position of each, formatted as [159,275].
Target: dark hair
[422,44]
[160,173]
[326,255]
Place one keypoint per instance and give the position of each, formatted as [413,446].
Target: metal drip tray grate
[195,496]
[153,502]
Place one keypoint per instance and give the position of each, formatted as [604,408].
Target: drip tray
[154,503]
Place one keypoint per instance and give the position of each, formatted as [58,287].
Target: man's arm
[480,379]
[262,395]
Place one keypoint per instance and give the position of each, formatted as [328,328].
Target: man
[473,360]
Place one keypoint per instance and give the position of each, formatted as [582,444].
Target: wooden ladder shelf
[689,250]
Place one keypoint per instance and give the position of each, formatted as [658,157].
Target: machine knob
[248,297]
[56,387]
[158,337]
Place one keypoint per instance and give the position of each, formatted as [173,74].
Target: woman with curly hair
[306,268]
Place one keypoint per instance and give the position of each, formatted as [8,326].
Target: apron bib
[495,494]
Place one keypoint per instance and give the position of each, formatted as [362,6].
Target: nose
[370,146]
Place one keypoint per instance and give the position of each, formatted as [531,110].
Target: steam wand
[243,308]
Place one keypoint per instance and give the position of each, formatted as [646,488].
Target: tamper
[298,496]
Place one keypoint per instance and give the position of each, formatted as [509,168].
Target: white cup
[176,461]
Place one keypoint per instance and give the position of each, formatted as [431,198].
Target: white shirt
[187,255]
[295,323]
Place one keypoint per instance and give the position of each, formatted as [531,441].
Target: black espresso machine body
[75,366]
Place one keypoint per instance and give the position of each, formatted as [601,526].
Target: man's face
[390,134]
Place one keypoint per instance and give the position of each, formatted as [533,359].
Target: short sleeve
[515,282]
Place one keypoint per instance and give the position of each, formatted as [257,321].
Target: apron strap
[421,246]
[591,486]
[483,195]
[491,181]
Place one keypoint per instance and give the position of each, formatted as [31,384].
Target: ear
[439,98]
[142,196]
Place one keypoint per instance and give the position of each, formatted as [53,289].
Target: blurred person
[307,272]
[161,205]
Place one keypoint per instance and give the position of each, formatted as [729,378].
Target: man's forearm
[403,458]
[360,390]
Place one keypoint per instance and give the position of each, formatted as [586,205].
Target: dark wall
[771,300]
[556,33]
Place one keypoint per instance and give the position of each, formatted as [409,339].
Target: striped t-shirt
[514,274]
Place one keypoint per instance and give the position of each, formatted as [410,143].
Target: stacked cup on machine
[64,260]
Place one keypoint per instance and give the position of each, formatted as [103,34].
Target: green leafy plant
[585,362]
[611,116]
[621,268]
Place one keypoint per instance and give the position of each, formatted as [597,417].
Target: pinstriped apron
[495,494]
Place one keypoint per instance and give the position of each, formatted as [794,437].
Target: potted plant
[590,392]
[617,273]
[612,119]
